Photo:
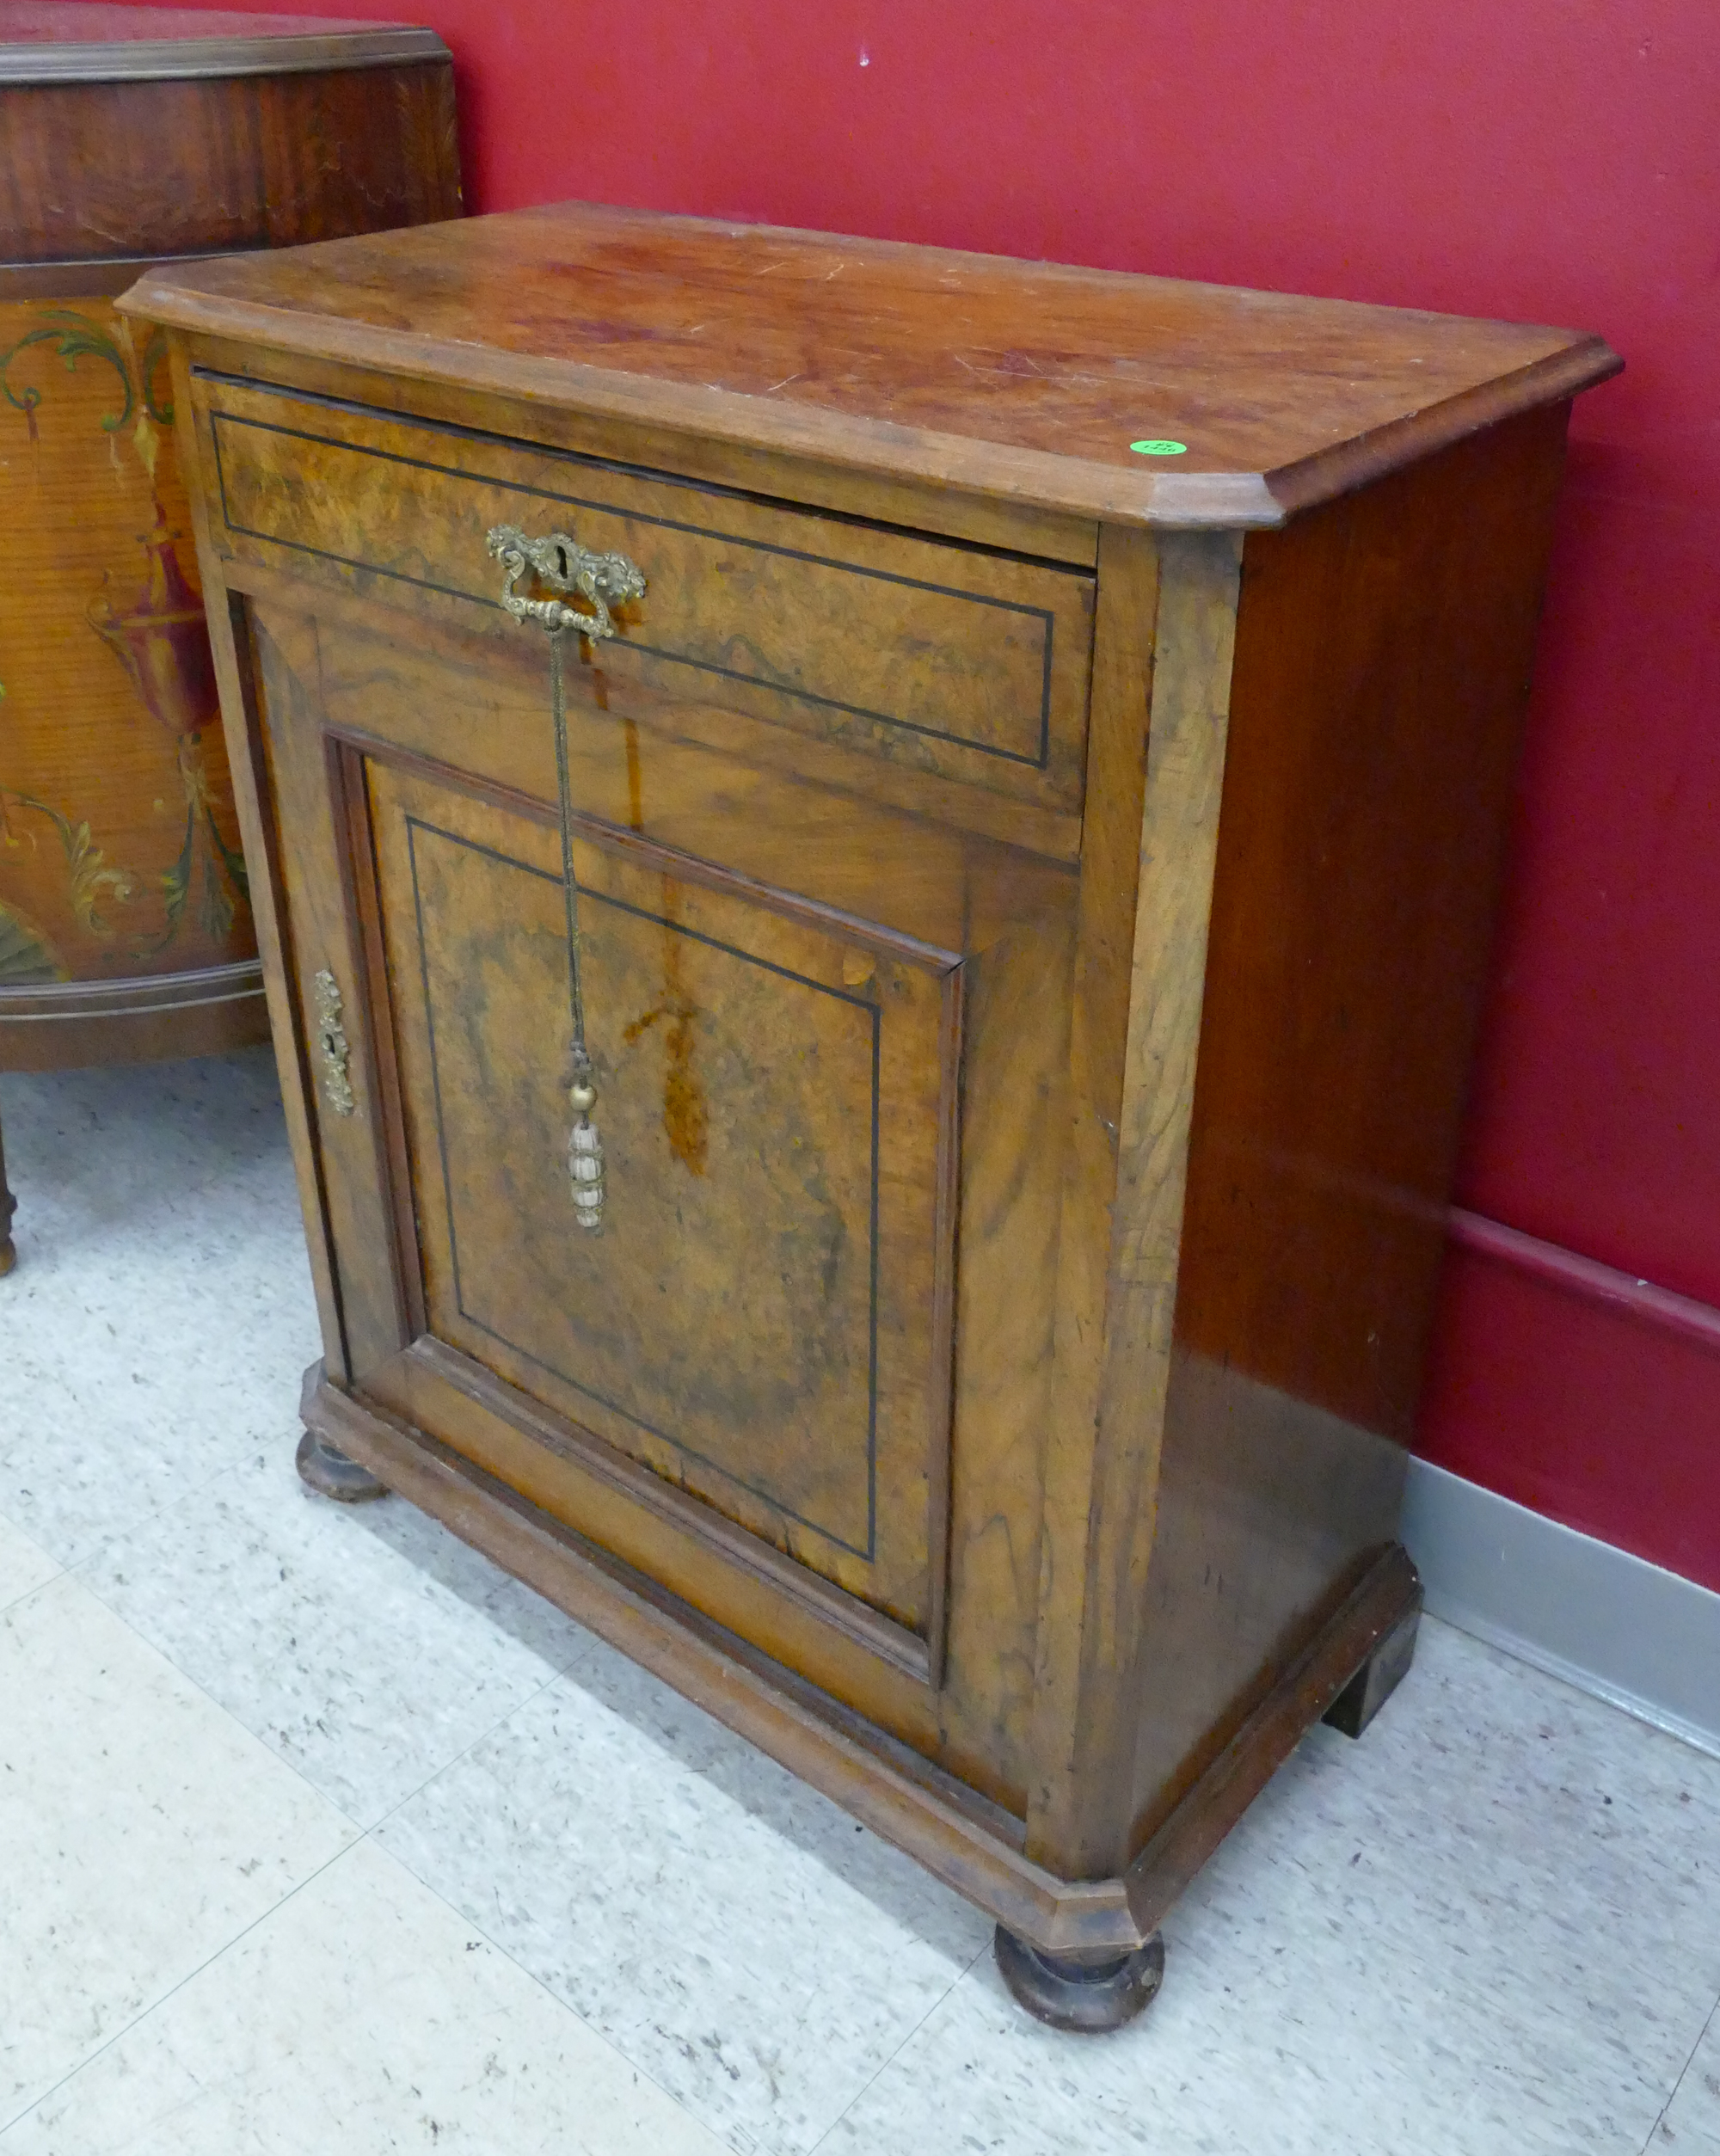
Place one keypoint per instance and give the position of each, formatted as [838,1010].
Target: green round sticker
[1160,449]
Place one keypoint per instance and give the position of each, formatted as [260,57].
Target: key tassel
[585,1156]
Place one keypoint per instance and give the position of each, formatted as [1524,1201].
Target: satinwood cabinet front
[874,988]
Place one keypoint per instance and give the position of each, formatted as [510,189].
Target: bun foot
[1088,1995]
[328,1471]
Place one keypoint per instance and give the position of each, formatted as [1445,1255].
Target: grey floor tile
[161,1312]
[740,1939]
[24,1565]
[364,1644]
[1492,1928]
[142,1831]
[361,2018]
[1690,2123]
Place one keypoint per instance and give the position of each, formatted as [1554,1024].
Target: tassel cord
[570,891]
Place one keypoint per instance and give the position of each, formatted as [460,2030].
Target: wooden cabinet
[1035,830]
[128,135]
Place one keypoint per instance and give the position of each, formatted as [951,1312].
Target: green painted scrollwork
[75,337]
[222,864]
[92,881]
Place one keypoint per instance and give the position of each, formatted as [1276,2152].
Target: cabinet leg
[325,1469]
[9,1206]
[1379,1677]
[1089,1994]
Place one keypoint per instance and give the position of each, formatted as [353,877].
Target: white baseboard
[1641,1638]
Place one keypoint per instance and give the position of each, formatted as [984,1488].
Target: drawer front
[950,661]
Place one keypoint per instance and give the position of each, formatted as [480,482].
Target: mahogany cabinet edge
[81,277]
[196,59]
[154,1019]
[925,1813]
[1218,501]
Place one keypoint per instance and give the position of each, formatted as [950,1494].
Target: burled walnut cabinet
[1034,828]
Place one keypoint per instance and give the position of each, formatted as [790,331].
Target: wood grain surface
[1026,380]
[110,22]
[755,1321]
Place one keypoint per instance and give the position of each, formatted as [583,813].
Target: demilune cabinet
[1000,772]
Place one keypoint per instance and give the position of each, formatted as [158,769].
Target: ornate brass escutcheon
[602,579]
[332,1044]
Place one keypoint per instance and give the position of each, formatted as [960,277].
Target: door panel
[763,1320]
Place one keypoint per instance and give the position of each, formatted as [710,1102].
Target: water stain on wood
[686,1115]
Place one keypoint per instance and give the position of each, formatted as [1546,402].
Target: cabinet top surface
[45,41]
[1027,381]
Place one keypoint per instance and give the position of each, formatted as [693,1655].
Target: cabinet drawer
[946,660]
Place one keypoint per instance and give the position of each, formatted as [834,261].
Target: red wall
[1554,160]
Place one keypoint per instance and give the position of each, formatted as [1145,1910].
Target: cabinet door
[742,1386]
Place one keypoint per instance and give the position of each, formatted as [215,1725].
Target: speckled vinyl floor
[320,1837]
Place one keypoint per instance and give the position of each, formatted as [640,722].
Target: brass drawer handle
[603,581]
[332,1044]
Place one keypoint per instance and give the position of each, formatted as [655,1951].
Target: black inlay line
[588,460]
[414,825]
[1043,615]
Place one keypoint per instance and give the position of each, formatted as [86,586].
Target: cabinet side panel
[1382,669]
